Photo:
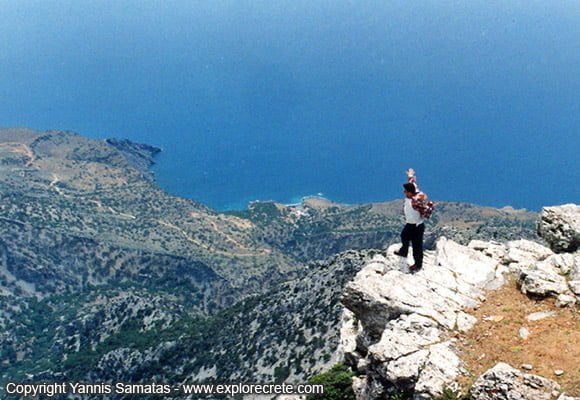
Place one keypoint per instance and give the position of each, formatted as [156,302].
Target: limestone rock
[441,368]
[526,252]
[360,387]
[503,382]
[565,263]
[565,300]
[574,275]
[403,316]
[560,227]
[575,287]
[493,318]
[404,336]
[366,297]
[348,332]
[465,322]
[524,333]
[362,365]
[537,282]
[471,266]
[546,277]
[564,396]
[491,249]
[407,367]
[540,315]
[367,388]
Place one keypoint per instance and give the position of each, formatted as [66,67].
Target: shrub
[337,384]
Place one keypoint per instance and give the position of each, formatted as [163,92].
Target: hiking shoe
[413,269]
[398,253]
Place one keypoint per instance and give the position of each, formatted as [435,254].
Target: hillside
[97,263]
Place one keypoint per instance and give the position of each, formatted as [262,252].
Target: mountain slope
[103,275]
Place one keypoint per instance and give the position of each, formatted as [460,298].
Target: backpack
[423,205]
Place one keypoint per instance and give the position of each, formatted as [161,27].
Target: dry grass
[553,343]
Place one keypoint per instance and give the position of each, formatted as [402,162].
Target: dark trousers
[413,234]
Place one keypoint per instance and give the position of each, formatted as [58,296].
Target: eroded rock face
[540,272]
[503,382]
[555,276]
[560,227]
[396,323]
[403,318]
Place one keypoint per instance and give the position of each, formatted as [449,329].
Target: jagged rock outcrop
[396,325]
[556,275]
[540,272]
[503,382]
[400,320]
[560,227]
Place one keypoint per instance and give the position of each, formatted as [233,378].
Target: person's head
[409,190]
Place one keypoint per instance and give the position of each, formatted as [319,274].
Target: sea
[276,100]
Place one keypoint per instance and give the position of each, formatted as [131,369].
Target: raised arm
[413,179]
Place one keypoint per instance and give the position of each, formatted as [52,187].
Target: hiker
[414,227]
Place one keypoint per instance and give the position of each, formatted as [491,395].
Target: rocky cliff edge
[397,331]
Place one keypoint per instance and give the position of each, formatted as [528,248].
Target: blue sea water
[256,99]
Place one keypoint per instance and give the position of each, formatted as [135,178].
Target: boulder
[441,369]
[540,272]
[469,266]
[526,252]
[536,282]
[565,300]
[564,264]
[524,333]
[503,382]
[560,227]
[540,315]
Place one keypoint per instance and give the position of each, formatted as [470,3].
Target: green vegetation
[400,395]
[337,384]
[449,394]
[88,226]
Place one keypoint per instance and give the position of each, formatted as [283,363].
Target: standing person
[414,227]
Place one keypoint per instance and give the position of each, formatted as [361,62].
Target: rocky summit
[398,327]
